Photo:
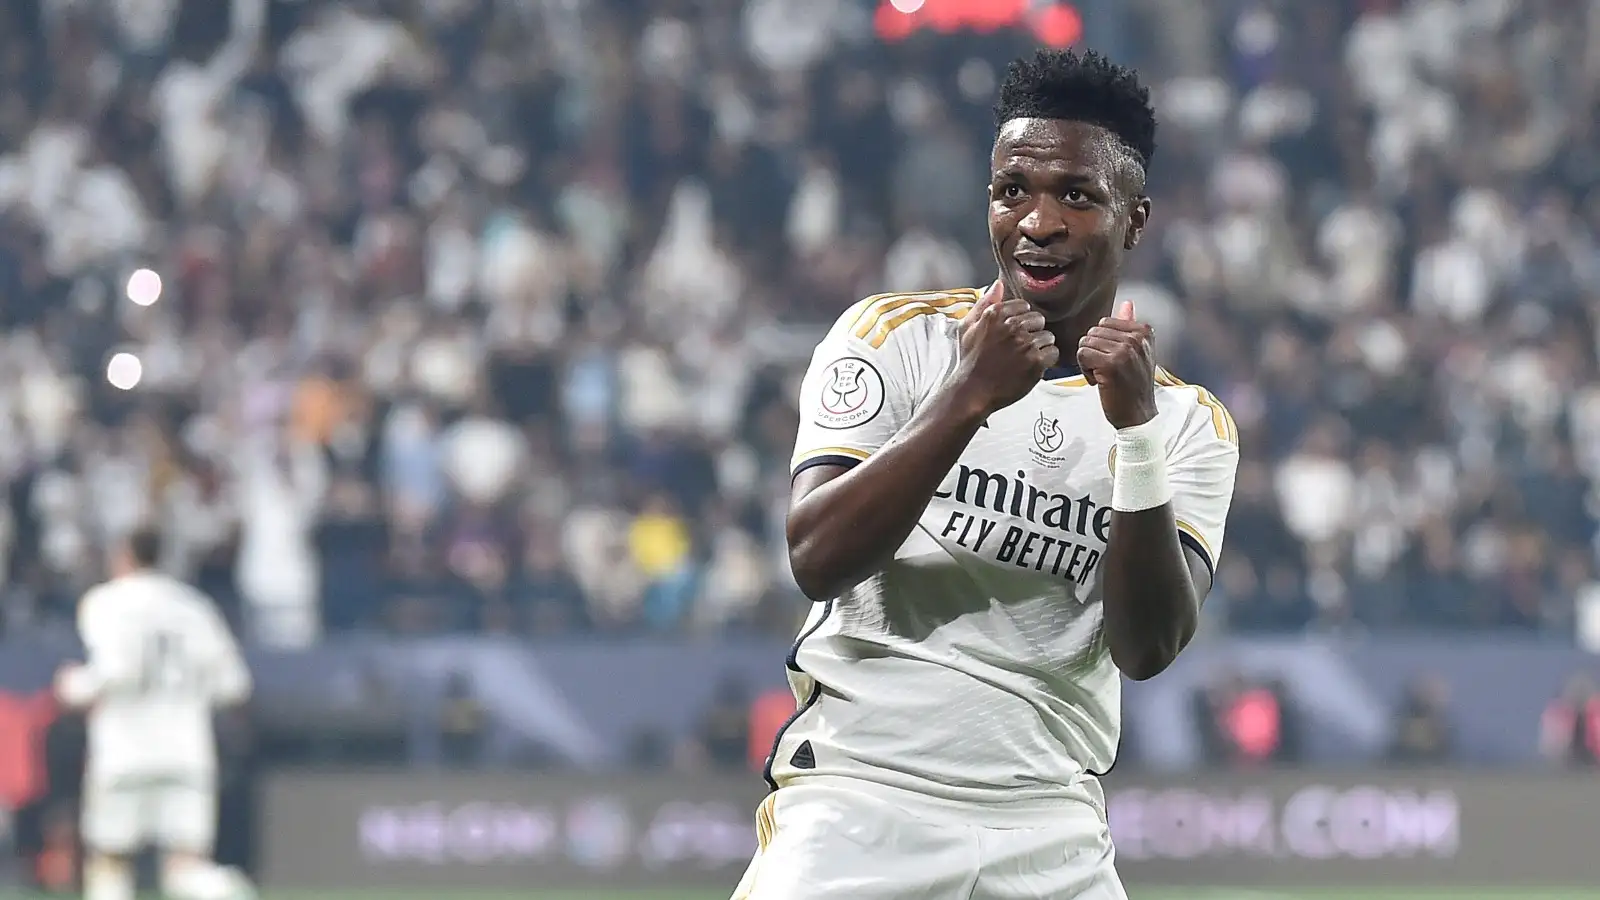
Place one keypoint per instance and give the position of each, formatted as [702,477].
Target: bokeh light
[144,287]
[124,371]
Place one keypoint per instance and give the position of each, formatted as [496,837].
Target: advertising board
[502,831]
[1456,827]
[1284,829]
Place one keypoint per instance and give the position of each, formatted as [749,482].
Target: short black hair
[144,545]
[1087,87]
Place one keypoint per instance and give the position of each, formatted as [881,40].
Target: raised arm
[1170,499]
[870,455]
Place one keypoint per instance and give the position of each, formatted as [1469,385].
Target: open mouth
[1042,276]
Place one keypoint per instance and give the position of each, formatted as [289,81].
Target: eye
[1011,191]
[1076,197]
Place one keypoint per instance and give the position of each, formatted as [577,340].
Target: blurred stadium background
[454,343]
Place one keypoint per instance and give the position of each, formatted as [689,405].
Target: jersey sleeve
[1201,467]
[861,387]
[110,644]
[229,682]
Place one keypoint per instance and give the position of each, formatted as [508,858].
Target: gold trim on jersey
[881,314]
[766,827]
[1221,419]
[1205,545]
[1074,381]
[766,824]
[851,452]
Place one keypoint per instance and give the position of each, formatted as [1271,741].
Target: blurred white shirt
[278,572]
[482,457]
[1315,493]
[814,213]
[923,261]
[786,36]
[1452,281]
[1358,239]
[688,278]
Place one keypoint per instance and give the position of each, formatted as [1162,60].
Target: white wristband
[1139,480]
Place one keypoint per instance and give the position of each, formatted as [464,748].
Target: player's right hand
[1004,350]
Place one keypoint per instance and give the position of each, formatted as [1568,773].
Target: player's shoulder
[111,592]
[103,606]
[920,315]
[94,599]
[1204,415]
[185,597]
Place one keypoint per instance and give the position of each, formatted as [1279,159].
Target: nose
[1044,223]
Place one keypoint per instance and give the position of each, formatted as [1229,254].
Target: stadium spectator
[768,713]
[1569,730]
[463,722]
[725,730]
[489,316]
[1245,723]
[1422,730]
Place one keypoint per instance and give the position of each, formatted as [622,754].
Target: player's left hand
[1115,355]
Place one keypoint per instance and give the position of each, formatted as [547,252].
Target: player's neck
[1069,331]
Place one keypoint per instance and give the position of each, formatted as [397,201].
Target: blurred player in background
[160,660]
[999,501]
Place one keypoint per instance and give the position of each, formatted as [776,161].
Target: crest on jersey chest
[1048,439]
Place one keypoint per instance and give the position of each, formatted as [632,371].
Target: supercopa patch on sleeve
[850,394]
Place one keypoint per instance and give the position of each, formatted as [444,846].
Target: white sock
[107,879]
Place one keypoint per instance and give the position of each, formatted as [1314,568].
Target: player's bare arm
[1152,588]
[844,524]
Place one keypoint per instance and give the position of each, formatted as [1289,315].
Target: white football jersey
[164,659]
[973,667]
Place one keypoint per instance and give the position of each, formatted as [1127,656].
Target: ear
[1138,218]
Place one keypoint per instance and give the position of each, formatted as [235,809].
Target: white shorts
[820,842]
[124,817]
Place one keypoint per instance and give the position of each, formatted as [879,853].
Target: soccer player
[999,504]
[159,661]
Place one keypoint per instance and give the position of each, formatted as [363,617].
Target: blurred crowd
[490,314]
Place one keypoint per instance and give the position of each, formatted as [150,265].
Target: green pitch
[1133,892]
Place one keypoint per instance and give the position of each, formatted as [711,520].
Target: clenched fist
[1115,355]
[1004,350]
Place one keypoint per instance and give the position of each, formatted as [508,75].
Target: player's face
[1061,214]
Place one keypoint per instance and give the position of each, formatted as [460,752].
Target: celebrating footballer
[1000,505]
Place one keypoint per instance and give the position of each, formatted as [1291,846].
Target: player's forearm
[233,686]
[77,687]
[1151,610]
[845,530]
[81,686]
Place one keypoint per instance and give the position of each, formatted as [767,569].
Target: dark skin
[1061,193]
